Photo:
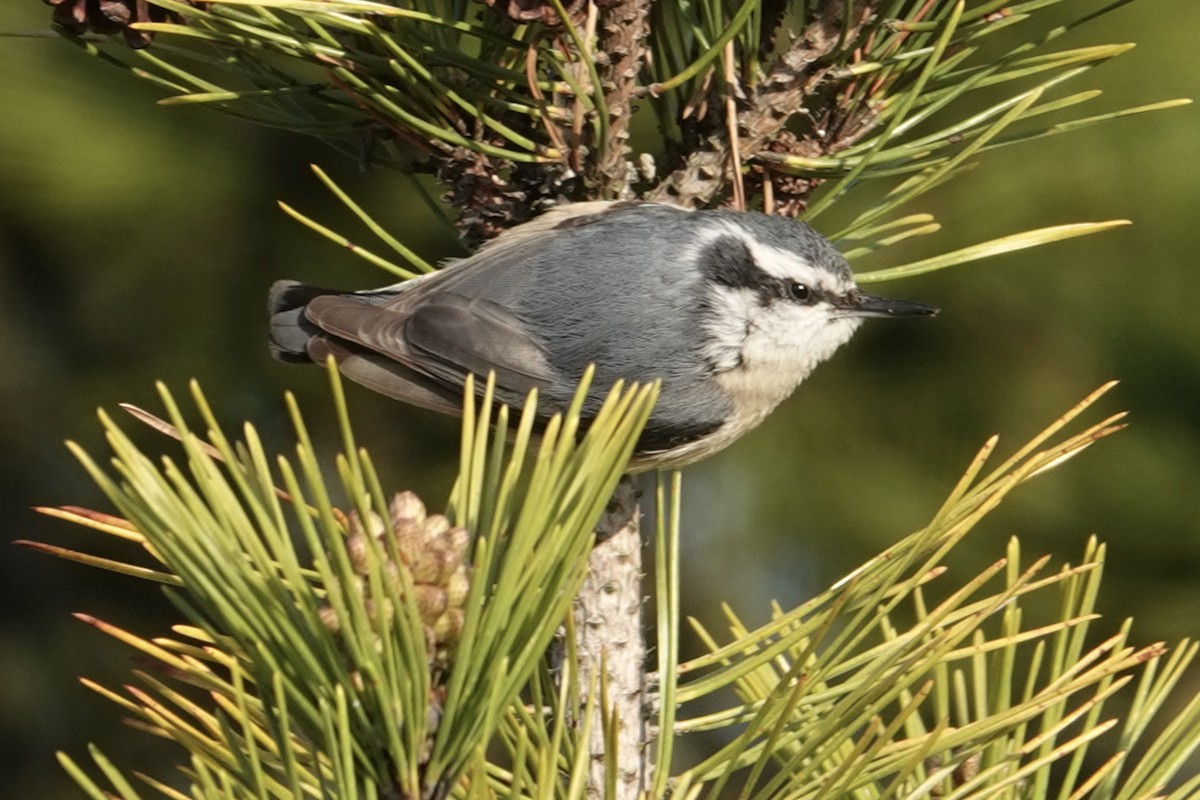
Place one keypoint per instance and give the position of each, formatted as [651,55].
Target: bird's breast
[753,392]
[756,390]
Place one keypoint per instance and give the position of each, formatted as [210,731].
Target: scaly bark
[624,25]
[609,630]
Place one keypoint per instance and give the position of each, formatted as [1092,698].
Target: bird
[729,310]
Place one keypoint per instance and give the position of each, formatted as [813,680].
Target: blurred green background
[137,244]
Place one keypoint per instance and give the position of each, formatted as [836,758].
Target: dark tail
[290,331]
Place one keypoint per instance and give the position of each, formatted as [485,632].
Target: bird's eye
[799,292]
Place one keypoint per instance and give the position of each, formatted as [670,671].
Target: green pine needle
[995,247]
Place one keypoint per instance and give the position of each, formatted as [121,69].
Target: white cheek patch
[789,339]
[727,325]
[797,338]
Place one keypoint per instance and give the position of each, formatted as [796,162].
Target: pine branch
[785,92]
[624,26]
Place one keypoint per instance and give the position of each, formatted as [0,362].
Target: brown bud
[406,507]
[431,602]
[383,611]
[457,588]
[357,586]
[450,565]
[329,619]
[436,526]
[374,526]
[427,566]
[356,548]
[391,576]
[448,626]
[410,540]
[455,544]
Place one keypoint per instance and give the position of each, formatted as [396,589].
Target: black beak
[865,305]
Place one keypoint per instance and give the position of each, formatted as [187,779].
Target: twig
[732,91]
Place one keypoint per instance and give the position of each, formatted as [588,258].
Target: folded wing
[421,352]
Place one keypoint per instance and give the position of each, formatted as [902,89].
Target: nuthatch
[730,310]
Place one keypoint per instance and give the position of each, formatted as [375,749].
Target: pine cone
[434,555]
[539,11]
[108,17]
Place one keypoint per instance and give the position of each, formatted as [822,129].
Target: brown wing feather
[443,339]
[474,335]
[387,377]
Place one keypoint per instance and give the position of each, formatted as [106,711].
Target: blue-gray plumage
[729,310]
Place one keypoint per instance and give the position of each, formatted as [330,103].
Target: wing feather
[388,377]
[443,338]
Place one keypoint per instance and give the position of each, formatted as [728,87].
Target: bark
[609,630]
[623,28]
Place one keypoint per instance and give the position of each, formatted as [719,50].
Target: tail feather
[290,330]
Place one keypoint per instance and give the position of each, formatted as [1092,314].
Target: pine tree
[494,650]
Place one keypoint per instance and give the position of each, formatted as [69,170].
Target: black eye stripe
[727,261]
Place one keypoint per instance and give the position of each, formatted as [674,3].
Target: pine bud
[457,588]
[410,539]
[455,543]
[448,626]
[427,566]
[329,619]
[431,602]
[436,526]
[356,548]
[406,507]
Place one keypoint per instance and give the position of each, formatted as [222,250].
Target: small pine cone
[357,544]
[410,540]
[436,526]
[374,526]
[357,547]
[391,575]
[431,603]
[451,549]
[112,16]
[452,564]
[431,551]
[408,521]
[374,612]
